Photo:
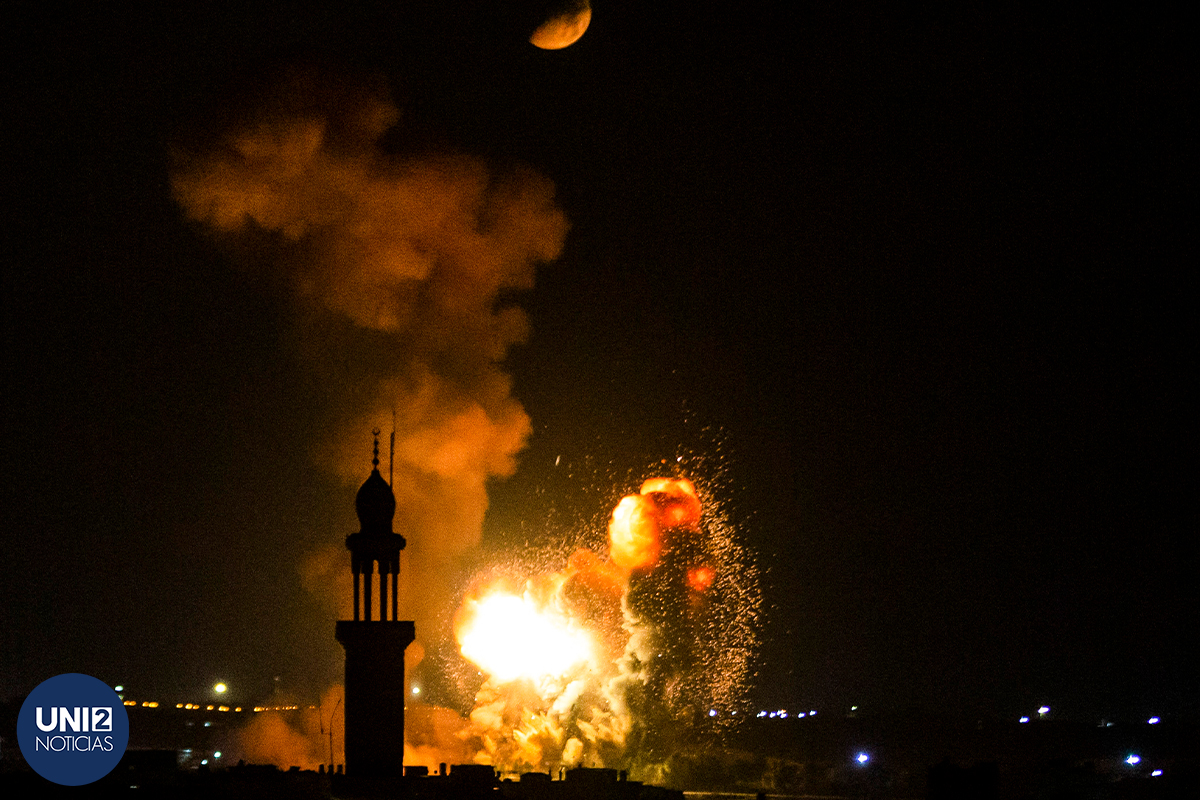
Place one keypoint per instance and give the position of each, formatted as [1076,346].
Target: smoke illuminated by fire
[400,267]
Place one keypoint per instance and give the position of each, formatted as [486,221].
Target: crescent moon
[562,30]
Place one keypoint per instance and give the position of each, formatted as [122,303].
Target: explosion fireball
[511,638]
[613,660]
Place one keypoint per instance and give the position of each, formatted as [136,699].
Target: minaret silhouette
[375,692]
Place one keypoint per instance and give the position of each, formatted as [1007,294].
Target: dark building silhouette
[375,644]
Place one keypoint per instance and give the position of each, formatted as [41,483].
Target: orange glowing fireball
[511,637]
[679,507]
[699,579]
[635,534]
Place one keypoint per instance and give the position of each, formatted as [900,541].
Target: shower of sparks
[617,657]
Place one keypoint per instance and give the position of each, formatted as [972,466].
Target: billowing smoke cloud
[296,738]
[399,266]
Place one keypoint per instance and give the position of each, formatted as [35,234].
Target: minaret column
[357,582]
[367,591]
[383,587]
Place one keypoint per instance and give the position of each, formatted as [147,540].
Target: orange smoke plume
[435,735]
[298,738]
[398,265]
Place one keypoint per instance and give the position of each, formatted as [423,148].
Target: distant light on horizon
[1024,719]
[220,688]
[1152,721]
[1133,759]
[862,759]
[1044,710]
[1156,773]
[416,690]
[118,688]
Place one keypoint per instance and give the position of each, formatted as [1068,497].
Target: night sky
[903,289]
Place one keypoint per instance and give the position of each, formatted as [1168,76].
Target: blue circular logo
[73,729]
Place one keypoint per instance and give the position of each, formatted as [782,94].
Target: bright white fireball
[509,638]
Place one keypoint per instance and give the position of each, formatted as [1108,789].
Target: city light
[1152,721]
[1024,719]
[416,690]
[1133,759]
[119,688]
[1044,710]
[712,712]
[862,759]
[220,688]
[1156,773]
